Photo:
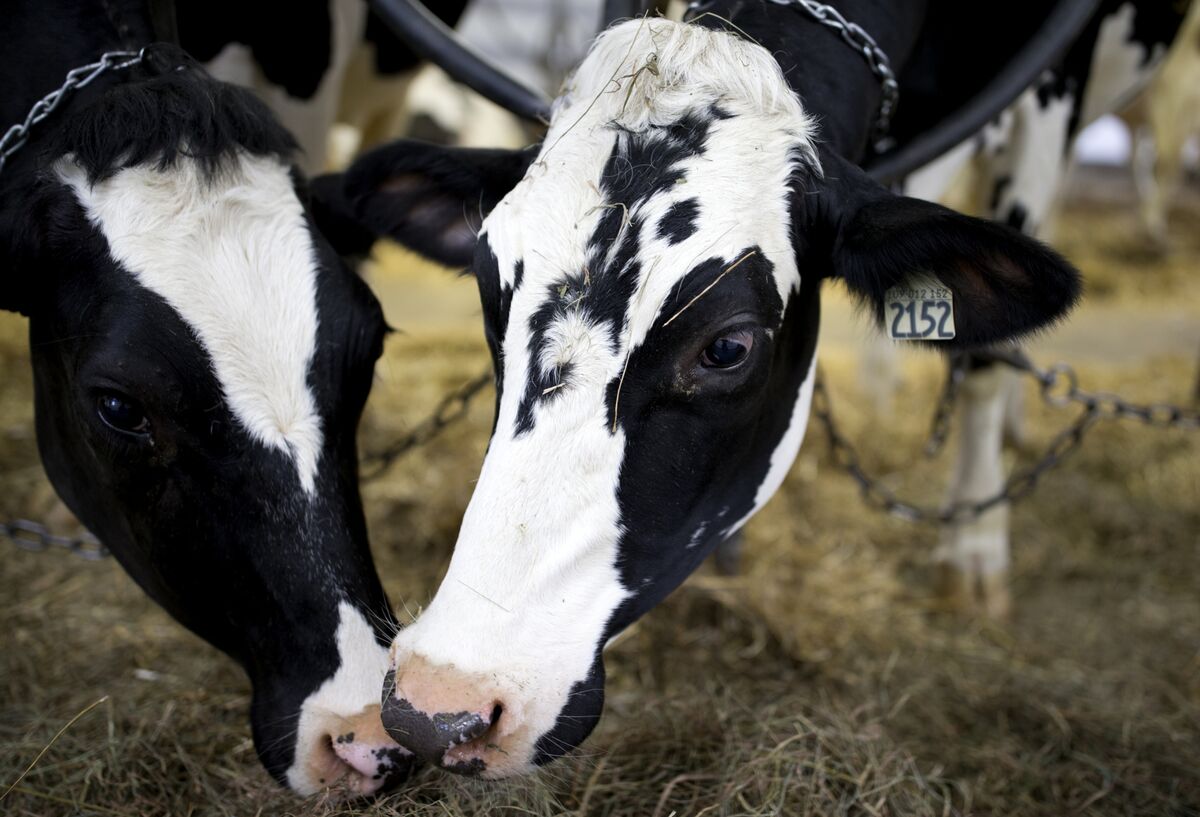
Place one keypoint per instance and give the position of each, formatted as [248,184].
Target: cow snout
[352,754]
[448,739]
[446,719]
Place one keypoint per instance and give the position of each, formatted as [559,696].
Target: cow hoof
[970,592]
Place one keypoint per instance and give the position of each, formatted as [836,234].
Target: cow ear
[335,219]
[21,229]
[432,199]
[1004,284]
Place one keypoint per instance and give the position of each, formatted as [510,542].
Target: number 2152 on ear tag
[920,310]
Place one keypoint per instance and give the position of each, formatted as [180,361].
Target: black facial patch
[679,223]
[496,300]
[709,288]
[561,300]
[695,455]
[577,719]
[640,167]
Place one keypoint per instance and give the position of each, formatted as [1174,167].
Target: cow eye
[123,414]
[728,350]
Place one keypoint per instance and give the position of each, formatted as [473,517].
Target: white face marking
[234,258]
[330,710]
[534,579]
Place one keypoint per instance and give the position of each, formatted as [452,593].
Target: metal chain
[862,42]
[858,39]
[33,536]
[1059,387]
[17,135]
[939,429]
[451,408]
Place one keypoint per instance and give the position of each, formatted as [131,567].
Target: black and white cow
[201,356]
[650,278]
[1013,172]
[313,62]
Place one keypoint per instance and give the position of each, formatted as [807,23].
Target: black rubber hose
[1052,40]
[434,41]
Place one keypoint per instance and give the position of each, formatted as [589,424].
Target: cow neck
[833,80]
[51,37]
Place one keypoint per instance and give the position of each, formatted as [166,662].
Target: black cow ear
[432,199]
[20,233]
[335,218]
[11,298]
[1004,284]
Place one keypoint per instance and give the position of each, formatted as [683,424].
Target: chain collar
[17,135]
[862,42]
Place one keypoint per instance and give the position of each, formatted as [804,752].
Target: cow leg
[879,374]
[1152,198]
[1020,169]
[1014,413]
[973,556]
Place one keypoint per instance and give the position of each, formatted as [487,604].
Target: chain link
[939,429]
[1059,387]
[857,38]
[17,135]
[36,537]
[451,408]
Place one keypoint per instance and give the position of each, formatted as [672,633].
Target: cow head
[649,278]
[201,357]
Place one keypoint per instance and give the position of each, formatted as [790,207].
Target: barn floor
[823,680]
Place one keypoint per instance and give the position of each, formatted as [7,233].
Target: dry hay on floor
[822,680]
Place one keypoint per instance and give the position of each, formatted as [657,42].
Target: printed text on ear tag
[921,309]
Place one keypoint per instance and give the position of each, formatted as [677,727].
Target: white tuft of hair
[650,72]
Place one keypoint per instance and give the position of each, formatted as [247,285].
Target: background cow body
[313,62]
[1013,172]
[201,356]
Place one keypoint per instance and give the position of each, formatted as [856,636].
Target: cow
[650,281]
[201,356]
[1163,119]
[338,61]
[1013,172]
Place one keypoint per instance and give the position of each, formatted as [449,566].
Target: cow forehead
[673,145]
[233,256]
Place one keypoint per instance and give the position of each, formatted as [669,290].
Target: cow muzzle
[457,721]
[350,755]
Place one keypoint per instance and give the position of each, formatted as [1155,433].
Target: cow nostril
[461,727]
[494,719]
[430,736]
